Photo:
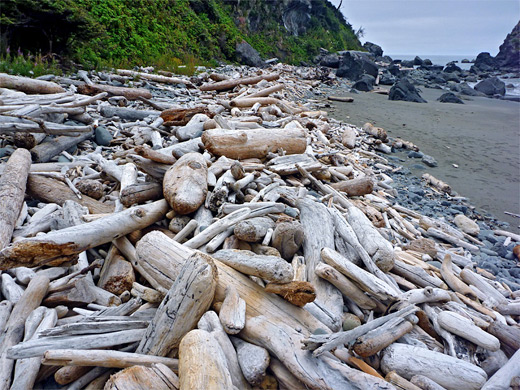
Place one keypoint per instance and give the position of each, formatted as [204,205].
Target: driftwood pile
[228,237]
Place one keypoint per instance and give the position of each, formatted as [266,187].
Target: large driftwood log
[318,230]
[447,371]
[157,377]
[232,83]
[54,191]
[240,144]
[379,338]
[140,193]
[14,328]
[129,93]
[12,191]
[154,77]
[355,187]
[271,268]
[202,363]
[64,245]
[188,298]
[508,335]
[465,328]
[46,150]
[28,85]
[103,358]
[185,184]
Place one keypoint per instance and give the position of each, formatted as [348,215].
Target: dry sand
[481,136]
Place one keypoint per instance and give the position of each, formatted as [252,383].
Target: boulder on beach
[450,97]
[404,90]
[330,61]
[485,62]
[418,60]
[491,86]
[465,61]
[354,64]
[407,64]
[365,83]
[374,49]
[465,89]
[429,160]
[451,67]
[387,78]
[427,62]
[247,55]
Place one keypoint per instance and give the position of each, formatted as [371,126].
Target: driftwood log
[28,85]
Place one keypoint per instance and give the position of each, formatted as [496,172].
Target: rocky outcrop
[509,54]
[450,97]
[492,86]
[296,16]
[485,62]
[354,64]
[247,55]
[376,50]
[365,83]
[404,90]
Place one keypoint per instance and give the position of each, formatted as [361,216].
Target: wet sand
[481,136]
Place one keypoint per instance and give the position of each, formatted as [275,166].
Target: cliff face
[160,31]
[509,54]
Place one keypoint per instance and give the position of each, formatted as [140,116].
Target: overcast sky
[433,27]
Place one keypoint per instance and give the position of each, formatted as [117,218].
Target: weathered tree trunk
[45,151]
[129,93]
[355,187]
[240,144]
[185,184]
[503,377]
[140,193]
[28,85]
[64,245]
[188,298]
[12,192]
[232,83]
[202,363]
[447,371]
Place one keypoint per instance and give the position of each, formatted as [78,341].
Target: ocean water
[443,59]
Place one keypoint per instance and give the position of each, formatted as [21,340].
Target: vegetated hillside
[162,32]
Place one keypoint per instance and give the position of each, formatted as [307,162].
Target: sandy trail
[481,136]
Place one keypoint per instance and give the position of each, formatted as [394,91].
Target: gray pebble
[103,136]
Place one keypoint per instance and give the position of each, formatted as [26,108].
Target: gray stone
[466,225]
[247,55]
[491,86]
[429,160]
[450,97]
[103,136]
[404,90]
[6,151]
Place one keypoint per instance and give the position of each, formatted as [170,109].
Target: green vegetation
[174,35]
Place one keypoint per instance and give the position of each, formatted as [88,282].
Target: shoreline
[481,137]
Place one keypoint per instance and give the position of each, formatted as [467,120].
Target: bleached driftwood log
[140,193]
[465,328]
[239,144]
[129,93]
[425,383]
[202,363]
[400,382]
[153,77]
[319,233]
[45,151]
[158,377]
[355,187]
[232,83]
[452,280]
[14,328]
[185,184]
[64,245]
[12,191]
[26,84]
[104,358]
[188,298]
[271,268]
[436,183]
[447,371]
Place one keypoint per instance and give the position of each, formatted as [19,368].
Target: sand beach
[480,137]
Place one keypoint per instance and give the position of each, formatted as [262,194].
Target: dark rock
[407,63]
[450,97]
[296,16]
[414,154]
[330,61]
[451,67]
[394,70]
[404,90]
[247,55]
[465,61]
[386,79]
[354,64]
[491,86]
[373,48]
[485,62]
[431,68]
[429,160]
[7,151]
[509,54]
[103,136]
[427,62]
[465,89]
[450,77]
[365,83]
[418,60]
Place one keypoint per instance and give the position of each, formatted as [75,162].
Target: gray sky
[434,27]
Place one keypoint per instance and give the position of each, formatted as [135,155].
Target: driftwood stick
[233,312]
[12,191]
[232,83]
[64,245]
[503,377]
[14,328]
[157,377]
